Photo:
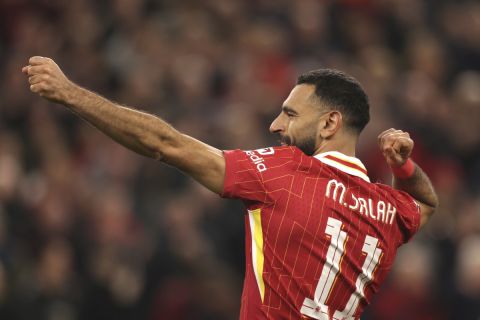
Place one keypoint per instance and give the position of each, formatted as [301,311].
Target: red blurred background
[89,230]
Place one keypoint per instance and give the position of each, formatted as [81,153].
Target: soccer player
[321,237]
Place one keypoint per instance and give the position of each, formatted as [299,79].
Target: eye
[289,112]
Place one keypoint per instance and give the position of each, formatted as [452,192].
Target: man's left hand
[396,146]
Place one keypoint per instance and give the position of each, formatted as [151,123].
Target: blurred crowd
[90,230]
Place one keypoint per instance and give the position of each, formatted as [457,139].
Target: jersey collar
[347,164]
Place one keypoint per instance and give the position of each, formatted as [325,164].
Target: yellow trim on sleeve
[257,248]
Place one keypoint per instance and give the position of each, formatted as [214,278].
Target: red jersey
[321,237]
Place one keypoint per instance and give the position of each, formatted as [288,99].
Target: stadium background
[89,230]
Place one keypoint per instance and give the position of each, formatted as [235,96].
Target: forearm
[418,186]
[141,132]
[138,131]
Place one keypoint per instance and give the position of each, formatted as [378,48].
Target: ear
[330,124]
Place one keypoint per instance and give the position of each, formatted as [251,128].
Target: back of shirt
[320,237]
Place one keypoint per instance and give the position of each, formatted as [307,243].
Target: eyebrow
[288,109]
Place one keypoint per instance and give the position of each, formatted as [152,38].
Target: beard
[307,144]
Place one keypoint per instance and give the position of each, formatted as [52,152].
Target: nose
[277,125]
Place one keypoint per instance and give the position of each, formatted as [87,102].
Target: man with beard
[321,237]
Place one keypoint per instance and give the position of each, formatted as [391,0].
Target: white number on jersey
[317,308]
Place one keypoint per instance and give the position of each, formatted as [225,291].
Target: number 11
[317,308]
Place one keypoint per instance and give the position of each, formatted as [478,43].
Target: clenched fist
[396,146]
[47,79]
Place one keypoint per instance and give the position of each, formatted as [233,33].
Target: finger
[387,139]
[25,69]
[404,140]
[388,151]
[36,79]
[38,60]
[388,130]
[384,133]
[403,146]
[37,88]
[387,134]
[38,69]
[392,157]
[390,137]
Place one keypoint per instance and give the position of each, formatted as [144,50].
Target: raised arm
[397,146]
[139,131]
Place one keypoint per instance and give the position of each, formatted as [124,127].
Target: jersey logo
[265,151]
[258,160]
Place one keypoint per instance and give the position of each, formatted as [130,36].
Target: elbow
[151,146]
[434,203]
[166,145]
[427,210]
[430,210]
[431,205]
[157,156]
[164,148]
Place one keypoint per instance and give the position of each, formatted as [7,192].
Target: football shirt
[320,237]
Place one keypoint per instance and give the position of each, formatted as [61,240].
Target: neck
[340,144]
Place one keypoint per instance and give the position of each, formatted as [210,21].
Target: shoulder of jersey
[279,151]
[265,158]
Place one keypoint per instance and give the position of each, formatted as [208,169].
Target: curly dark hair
[339,91]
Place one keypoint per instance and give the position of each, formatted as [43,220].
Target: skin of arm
[141,132]
[397,146]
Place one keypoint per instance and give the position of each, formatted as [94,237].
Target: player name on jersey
[376,210]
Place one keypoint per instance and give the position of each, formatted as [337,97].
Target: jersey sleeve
[246,171]
[408,214]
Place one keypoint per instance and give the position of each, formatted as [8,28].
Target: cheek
[296,128]
[291,126]
[305,131]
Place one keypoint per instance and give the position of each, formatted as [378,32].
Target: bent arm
[139,131]
[397,146]
[420,188]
